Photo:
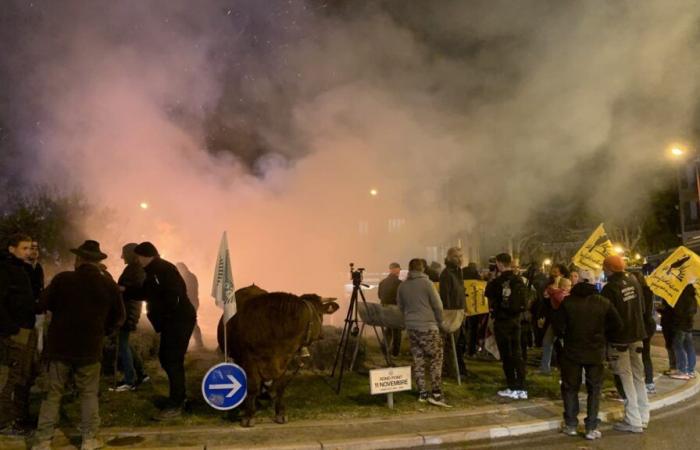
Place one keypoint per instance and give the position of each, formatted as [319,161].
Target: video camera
[356,275]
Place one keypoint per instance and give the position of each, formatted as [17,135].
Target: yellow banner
[672,275]
[476,300]
[591,255]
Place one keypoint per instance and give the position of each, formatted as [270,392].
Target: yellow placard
[674,274]
[476,298]
[591,255]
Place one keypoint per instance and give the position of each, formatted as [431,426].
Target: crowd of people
[580,322]
[83,306]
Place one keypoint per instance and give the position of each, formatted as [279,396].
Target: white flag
[223,290]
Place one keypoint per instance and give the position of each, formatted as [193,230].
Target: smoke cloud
[273,120]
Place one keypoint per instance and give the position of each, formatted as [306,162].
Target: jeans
[570,384]
[685,351]
[87,380]
[174,339]
[547,350]
[393,340]
[646,359]
[507,333]
[130,360]
[626,362]
[668,343]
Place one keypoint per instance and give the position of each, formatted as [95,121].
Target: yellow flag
[672,275]
[591,255]
[476,300]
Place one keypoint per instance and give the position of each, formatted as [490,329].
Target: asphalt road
[674,428]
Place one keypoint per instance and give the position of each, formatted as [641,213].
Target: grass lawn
[311,394]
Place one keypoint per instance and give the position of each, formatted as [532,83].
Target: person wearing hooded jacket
[172,315]
[130,283]
[583,321]
[683,313]
[453,296]
[625,345]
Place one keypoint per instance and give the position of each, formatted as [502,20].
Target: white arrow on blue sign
[225,386]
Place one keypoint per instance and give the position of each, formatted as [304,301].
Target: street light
[619,250]
[143,205]
[677,152]
[373,192]
[547,262]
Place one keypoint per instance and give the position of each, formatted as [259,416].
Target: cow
[243,295]
[264,336]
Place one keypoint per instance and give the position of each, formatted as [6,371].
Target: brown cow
[243,295]
[264,336]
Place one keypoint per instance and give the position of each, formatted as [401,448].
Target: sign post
[390,380]
[225,386]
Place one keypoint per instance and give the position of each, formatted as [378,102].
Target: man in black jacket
[130,283]
[583,320]
[683,314]
[454,296]
[85,306]
[506,325]
[173,316]
[17,335]
[625,348]
[387,292]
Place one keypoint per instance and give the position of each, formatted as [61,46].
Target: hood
[413,274]
[583,289]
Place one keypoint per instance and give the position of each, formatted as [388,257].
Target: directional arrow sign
[224,386]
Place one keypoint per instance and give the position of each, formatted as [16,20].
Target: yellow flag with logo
[476,298]
[674,274]
[591,255]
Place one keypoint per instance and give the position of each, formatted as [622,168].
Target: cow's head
[321,306]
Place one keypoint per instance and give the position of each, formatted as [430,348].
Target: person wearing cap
[387,292]
[130,283]
[172,315]
[85,306]
[583,321]
[625,345]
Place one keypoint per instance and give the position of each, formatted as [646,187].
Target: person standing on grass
[583,320]
[507,301]
[85,306]
[683,313]
[387,292]
[422,309]
[454,296]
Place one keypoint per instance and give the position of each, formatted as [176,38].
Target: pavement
[429,428]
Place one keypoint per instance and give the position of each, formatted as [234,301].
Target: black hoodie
[585,320]
[17,302]
[627,297]
[452,290]
[684,310]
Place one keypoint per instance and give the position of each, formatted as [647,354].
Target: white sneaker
[506,393]
[520,395]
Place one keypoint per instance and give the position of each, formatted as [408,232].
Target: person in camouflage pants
[426,347]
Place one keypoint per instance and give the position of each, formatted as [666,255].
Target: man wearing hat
[625,348]
[583,320]
[85,306]
[173,316]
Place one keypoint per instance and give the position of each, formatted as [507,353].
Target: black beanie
[146,249]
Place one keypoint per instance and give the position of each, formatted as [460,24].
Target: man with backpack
[507,295]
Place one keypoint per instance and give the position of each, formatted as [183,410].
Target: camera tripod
[352,328]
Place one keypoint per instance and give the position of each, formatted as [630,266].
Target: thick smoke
[273,120]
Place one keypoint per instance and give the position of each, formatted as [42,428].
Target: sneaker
[569,430]
[142,379]
[651,388]
[680,376]
[506,393]
[522,395]
[624,426]
[592,435]
[91,444]
[123,387]
[691,375]
[423,396]
[168,414]
[438,400]
[645,425]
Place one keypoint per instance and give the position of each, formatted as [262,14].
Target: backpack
[516,296]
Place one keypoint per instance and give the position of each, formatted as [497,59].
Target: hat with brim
[90,251]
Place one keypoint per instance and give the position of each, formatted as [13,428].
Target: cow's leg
[253,391]
[280,408]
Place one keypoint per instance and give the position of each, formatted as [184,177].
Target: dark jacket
[85,306]
[36,277]
[17,301]
[494,293]
[132,281]
[667,320]
[388,289]
[625,294]
[685,309]
[452,291]
[166,295]
[471,273]
[585,320]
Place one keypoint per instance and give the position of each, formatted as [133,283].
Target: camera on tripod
[356,275]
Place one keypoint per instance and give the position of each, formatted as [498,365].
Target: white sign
[392,379]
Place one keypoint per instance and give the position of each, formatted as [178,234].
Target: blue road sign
[224,386]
